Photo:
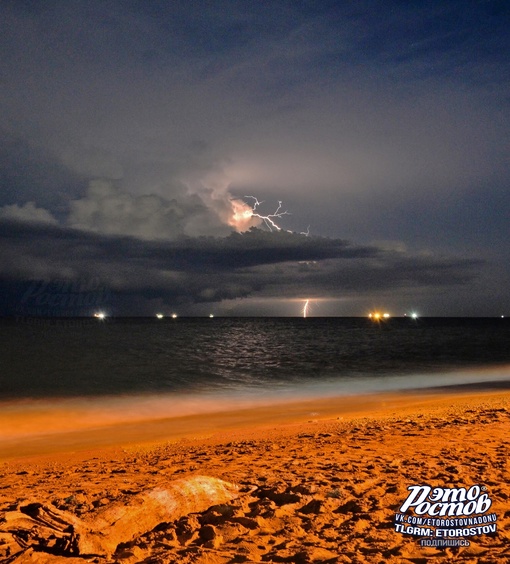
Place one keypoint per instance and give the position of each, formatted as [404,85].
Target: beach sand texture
[325,489]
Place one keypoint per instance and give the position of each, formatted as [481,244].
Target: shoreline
[99,434]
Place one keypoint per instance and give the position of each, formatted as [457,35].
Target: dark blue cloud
[195,270]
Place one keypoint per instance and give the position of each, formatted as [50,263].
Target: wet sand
[323,479]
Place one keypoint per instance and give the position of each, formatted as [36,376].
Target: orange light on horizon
[377,316]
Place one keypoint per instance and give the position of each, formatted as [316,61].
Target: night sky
[131,133]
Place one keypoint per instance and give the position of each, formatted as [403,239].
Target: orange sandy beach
[314,481]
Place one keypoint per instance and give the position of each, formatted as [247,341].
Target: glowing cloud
[242,218]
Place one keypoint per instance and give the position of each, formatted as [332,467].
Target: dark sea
[240,358]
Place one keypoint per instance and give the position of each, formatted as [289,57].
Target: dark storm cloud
[238,251]
[206,269]
[138,122]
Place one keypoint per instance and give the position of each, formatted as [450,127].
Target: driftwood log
[62,531]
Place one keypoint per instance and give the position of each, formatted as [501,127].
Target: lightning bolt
[305,308]
[243,213]
[268,219]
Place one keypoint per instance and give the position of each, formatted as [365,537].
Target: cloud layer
[186,271]
[373,121]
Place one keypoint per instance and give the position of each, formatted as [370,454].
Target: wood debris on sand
[39,524]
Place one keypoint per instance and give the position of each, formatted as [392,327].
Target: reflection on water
[243,356]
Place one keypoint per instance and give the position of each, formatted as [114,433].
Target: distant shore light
[100,315]
[159,315]
[174,316]
[377,316]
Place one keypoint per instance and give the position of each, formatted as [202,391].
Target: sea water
[78,357]
[169,367]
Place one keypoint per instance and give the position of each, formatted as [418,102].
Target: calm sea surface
[257,357]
